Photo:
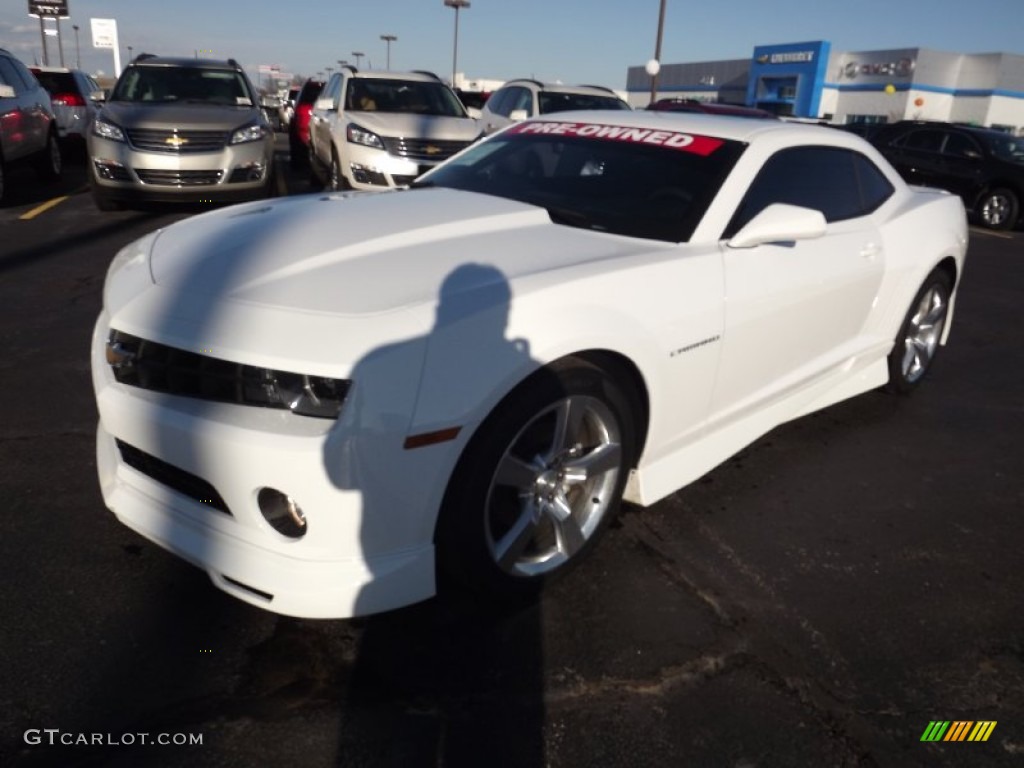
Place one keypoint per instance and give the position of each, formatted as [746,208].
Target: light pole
[341,63]
[654,65]
[130,49]
[78,52]
[389,39]
[457,4]
[359,57]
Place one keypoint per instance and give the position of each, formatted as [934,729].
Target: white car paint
[730,337]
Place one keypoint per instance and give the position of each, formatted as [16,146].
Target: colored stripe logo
[958,730]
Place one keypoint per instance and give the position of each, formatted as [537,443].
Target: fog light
[283,514]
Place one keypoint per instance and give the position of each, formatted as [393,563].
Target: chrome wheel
[923,333]
[998,209]
[553,486]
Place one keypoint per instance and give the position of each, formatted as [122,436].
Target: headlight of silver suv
[253,132]
[107,130]
[358,135]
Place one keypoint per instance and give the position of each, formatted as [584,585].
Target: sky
[569,41]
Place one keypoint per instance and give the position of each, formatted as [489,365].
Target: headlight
[160,368]
[358,135]
[253,132]
[107,130]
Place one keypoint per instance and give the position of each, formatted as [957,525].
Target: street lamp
[457,4]
[341,63]
[78,52]
[389,39]
[654,65]
[359,57]
[129,54]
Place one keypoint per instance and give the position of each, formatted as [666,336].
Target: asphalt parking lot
[819,599]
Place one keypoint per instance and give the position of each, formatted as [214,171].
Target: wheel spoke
[512,544]
[568,423]
[567,531]
[515,472]
[604,458]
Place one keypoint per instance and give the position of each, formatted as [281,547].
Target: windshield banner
[699,145]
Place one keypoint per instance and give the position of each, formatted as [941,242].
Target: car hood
[394,124]
[184,117]
[361,254]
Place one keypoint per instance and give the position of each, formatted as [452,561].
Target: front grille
[176,479]
[424,149]
[178,142]
[165,178]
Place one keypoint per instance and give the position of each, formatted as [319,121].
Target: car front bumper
[357,556]
[236,172]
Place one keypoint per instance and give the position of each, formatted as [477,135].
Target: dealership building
[810,80]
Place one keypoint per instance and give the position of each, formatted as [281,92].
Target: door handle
[870,251]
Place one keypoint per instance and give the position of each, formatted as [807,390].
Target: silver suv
[379,130]
[28,130]
[519,99]
[181,130]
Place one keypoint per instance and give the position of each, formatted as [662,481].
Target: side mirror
[780,223]
[518,115]
[475,113]
[325,104]
[98,96]
[6,92]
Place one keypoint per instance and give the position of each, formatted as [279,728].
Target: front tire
[538,483]
[918,340]
[998,209]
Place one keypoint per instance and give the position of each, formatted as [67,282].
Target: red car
[298,126]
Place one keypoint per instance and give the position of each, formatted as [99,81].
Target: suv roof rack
[538,83]
[426,72]
[144,56]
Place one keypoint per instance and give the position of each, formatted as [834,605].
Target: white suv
[379,130]
[519,99]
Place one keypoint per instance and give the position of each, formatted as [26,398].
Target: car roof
[383,74]
[145,60]
[563,88]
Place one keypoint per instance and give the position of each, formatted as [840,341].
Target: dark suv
[28,129]
[984,167]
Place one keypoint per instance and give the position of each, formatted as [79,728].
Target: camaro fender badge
[684,142]
[695,345]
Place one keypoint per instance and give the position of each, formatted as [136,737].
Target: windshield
[1008,148]
[182,84]
[404,96]
[553,101]
[606,178]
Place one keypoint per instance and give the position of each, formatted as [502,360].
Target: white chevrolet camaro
[324,401]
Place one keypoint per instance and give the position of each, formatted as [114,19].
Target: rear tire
[49,163]
[998,209]
[538,483]
[917,343]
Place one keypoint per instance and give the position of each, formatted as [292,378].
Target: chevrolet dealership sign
[53,9]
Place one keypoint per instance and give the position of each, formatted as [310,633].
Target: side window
[924,141]
[959,145]
[825,179]
[875,188]
[26,76]
[9,76]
